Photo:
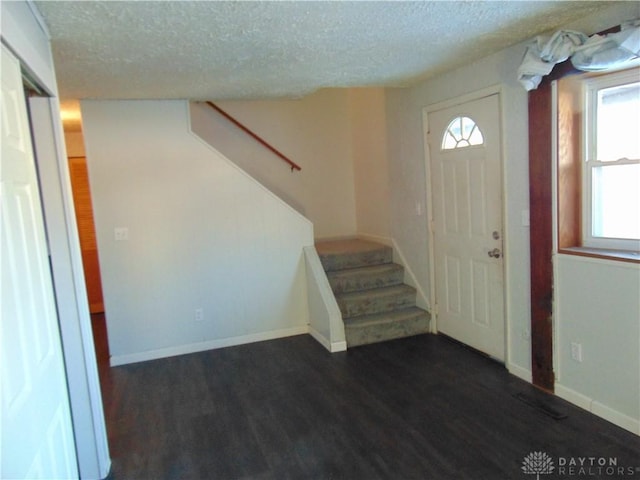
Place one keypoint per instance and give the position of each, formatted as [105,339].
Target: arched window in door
[461,132]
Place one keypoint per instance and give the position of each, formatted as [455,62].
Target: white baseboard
[333,238]
[324,341]
[208,345]
[410,279]
[615,417]
[520,372]
[376,238]
[607,413]
[572,396]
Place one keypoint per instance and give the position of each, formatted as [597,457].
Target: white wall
[371,168]
[407,172]
[598,307]
[313,132]
[202,234]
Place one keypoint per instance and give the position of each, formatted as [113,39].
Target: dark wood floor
[419,408]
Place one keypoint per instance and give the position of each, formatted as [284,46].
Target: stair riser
[369,288]
[356,260]
[366,282]
[375,304]
[386,331]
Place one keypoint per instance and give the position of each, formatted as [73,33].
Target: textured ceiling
[234,50]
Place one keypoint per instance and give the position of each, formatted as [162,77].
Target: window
[461,132]
[611,167]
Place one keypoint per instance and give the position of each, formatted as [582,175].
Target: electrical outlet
[121,233]
[576,351]
[199,315]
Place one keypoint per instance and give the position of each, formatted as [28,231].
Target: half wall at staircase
[314,132]
[200,234]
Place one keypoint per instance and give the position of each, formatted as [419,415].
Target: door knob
[495,253]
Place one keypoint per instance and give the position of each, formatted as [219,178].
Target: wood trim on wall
[569,190]
[541,244]
[541,232]
[79,177]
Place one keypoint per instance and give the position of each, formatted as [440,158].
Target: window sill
[617,255]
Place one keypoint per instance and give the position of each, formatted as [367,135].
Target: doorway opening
[81,191]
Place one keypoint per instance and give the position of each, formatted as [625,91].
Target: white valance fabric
[595,53]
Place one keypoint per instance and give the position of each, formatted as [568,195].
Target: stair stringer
[325,320]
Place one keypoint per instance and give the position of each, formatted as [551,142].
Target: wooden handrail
[293,165]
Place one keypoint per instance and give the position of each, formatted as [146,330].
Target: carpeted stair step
[366,278]
[377,300]
[375,303]
[352,253]
[380,327]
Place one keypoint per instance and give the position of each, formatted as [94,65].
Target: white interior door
[466,177]
[36,433]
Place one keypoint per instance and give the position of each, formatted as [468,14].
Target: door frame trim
[434,107]
[71,296]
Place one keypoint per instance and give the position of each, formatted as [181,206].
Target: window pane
[467,126]
[461,132]
[456,128]
[616,201]
[618,123]
[476,137]
[449,142]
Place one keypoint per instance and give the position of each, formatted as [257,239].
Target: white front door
[466,180]
[35,419]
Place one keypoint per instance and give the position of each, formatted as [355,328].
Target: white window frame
[590,87]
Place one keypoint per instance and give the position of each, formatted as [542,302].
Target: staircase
[375,303]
